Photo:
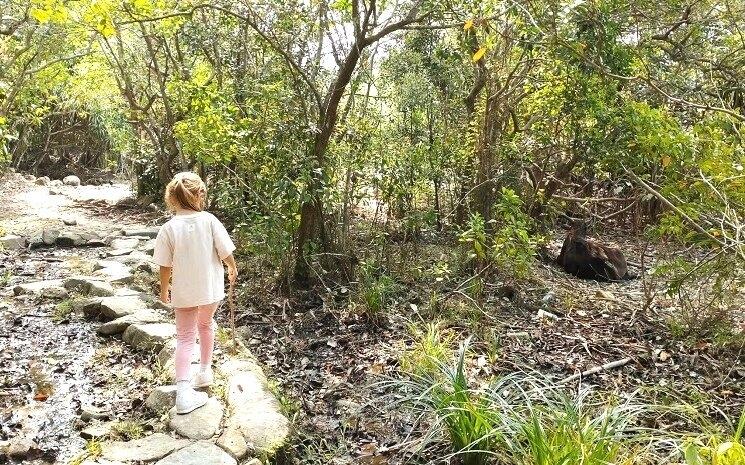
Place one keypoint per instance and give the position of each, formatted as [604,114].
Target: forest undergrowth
[394,367]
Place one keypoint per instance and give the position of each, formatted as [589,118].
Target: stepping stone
[161,399]
[233,442]
[119,306]
[37,287]
[148,247]
[119,252]
[124,243]
[70,239]
[201,423]
[152,336]
[199,453]
[89,285]
[118,274]
[254,408]
[119,325]
[91,412]
[153,447]
[42,181]
[97,431]
[55,183]
[133,258]
[147,232]
[12,242]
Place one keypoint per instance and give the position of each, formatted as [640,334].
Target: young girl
[192,247]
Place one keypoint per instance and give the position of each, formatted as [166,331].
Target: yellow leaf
[666,160]
[479,54]
[468,25]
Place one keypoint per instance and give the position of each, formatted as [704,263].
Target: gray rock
[71,180]
[55,191]
[116,274]
[91,308]
[148,247]
[69,221]
[49,236]
[254,407]
[43,181]
[119,306]
[124,243]
[96,431]
[201,423]
[153,447]
[19,447]
[233,442]
[12,242]
[56,293]
[89,285]
[29,177]
[199,453]
[147,266]
[37,287]
[91,412]
[152,336]
[133,258]
[55,183]
[119,252]
[70,239]
[147,232]
[119,325]
[161,399]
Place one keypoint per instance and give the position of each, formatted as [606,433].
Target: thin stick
[596,369]
[231,307]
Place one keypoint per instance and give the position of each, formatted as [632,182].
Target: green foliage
[376,289]
[431,347]
[511,246]
[523,420]
[716,449]
[63,310]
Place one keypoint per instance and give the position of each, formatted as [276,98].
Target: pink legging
[189,321]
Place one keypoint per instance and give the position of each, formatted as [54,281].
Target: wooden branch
[677,210]
[596,369]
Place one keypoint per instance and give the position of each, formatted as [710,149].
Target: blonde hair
[186,191]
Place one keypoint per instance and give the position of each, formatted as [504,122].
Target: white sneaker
[203,379]
[188,400]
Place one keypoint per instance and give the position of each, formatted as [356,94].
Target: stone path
[242,421]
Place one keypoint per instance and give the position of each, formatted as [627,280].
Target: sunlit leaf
[479,54]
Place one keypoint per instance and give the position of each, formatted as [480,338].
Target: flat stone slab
[233,442]
[201,423]
[199,453]
[119,306]
[118,274]
[12,242]
[153,447]
[254,408]
[125,243]
[147,232]
[151,336]
[89,285]
[119,252]
[161,399]
[37,287]
[119,325]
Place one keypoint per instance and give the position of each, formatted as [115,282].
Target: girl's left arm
[165,284]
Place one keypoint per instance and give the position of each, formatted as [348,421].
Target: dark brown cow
[588,259]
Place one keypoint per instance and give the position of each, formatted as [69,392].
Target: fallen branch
[596,369]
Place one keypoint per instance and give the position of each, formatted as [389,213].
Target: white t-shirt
[194,245]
